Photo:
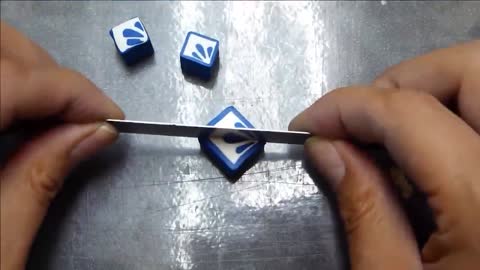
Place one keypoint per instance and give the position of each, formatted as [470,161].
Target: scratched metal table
[156,202]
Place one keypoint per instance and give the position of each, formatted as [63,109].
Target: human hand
[34,87]
[437,149]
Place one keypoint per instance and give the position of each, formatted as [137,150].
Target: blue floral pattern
[133,36]
[201,54]
[235,138]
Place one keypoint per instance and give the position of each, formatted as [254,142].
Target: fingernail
[295,123]
[326,160]
[117,112]
[104,135]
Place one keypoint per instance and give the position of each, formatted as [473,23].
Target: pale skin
[403,109]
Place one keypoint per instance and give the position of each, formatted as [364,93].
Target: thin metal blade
[195,131]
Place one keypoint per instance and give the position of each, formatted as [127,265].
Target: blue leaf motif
[200,49]
[201,54]
[139,26]
[239,125]
[197,56]
[134,35]
[131,33]
[235,138]
[243,147]
[133,41]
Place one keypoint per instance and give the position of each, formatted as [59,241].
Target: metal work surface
[151,202]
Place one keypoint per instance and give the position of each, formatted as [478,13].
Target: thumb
[32,178]
[378,233]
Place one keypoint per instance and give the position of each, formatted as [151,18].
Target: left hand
[34,87]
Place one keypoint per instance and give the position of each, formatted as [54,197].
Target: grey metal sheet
[196,131]
[153,202]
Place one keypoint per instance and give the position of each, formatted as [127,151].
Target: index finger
[51,92]
[432,145]
[17,46]
[449,74]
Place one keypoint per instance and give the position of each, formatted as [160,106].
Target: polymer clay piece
[132,41]
[233,153]
[199,55]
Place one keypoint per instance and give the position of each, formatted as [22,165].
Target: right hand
[438,149]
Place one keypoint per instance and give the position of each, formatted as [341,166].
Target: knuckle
[12,76]
[44,181]
[387,80]
[405,99]
[359,208]
[71,76]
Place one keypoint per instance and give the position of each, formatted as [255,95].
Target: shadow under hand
[46,246]
[418,212]
[412,199]
[326,190]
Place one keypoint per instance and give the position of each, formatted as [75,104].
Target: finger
[433,146]
[450,74]
[33,176]
[462,259]
[18,47]
[378,233]
[51,92]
